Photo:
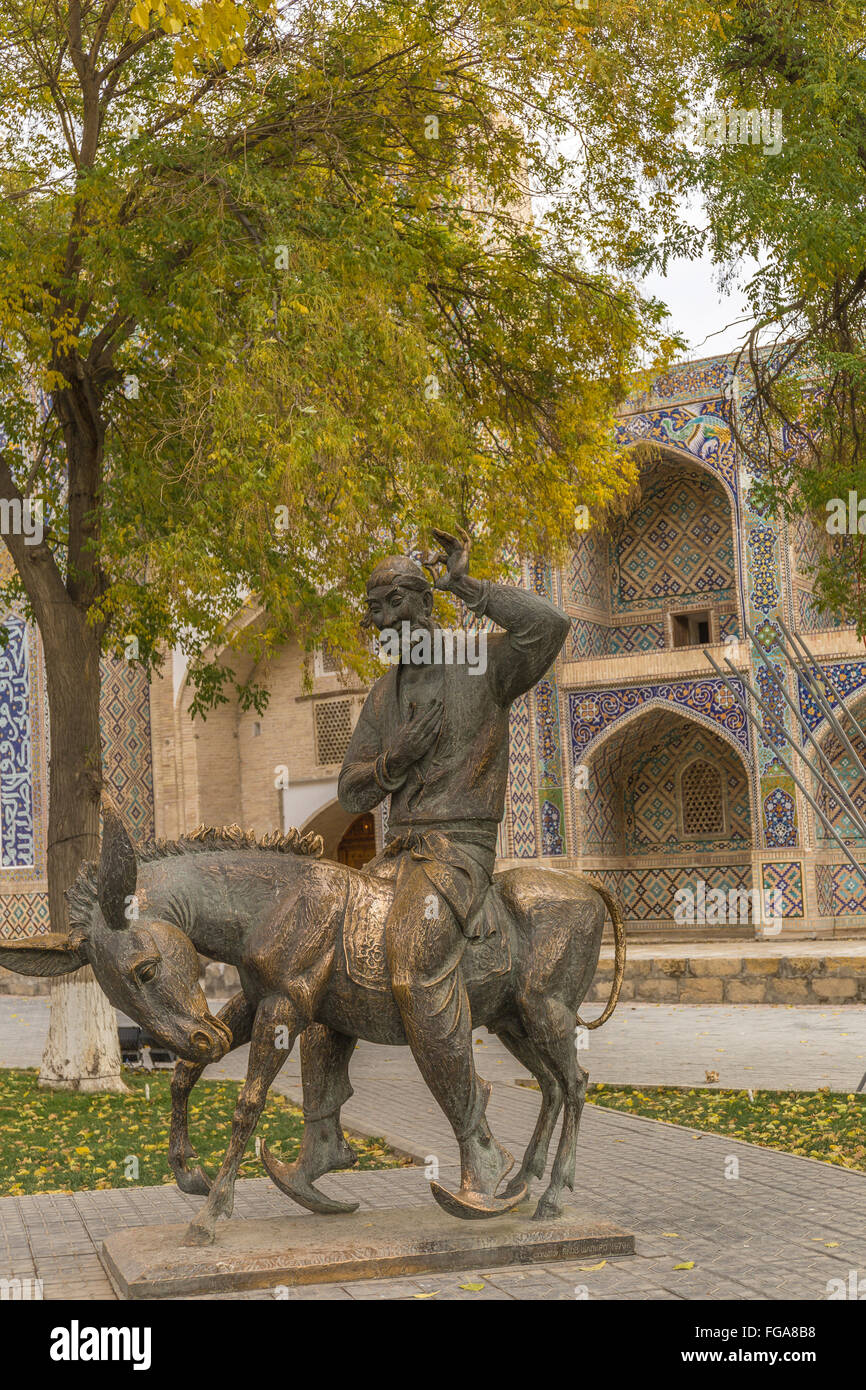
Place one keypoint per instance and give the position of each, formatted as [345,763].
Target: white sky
[713,322]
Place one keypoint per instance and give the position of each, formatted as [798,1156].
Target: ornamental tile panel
[786,879]
[591,712]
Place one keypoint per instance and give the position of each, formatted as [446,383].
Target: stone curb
[745,979]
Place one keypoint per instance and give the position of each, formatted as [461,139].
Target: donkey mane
[209,837]
[81,897]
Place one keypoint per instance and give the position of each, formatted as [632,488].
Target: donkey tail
[618,949]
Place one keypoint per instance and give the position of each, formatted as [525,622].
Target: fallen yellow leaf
[473,1288]
[586,1269]
[689,1264]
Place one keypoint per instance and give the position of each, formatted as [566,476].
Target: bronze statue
[417,948]
[434,737]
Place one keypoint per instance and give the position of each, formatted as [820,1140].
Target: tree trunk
[82,1052]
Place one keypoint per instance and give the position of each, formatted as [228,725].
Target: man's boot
[438,1026]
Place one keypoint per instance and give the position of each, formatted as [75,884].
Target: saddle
[368,904]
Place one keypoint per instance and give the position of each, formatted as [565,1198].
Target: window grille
[333,730]
[703,800]
[327,661]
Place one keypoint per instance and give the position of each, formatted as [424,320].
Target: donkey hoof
[291,1179]
[198,1234]
[548,1209]
[518,1184]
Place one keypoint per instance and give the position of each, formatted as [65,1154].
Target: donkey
[306,937]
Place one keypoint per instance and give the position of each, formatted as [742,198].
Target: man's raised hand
[453,554]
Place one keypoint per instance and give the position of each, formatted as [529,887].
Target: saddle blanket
[367,906]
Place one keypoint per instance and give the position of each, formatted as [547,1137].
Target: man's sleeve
[534,633]
[363,781]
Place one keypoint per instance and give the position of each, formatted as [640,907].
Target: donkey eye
[146,971]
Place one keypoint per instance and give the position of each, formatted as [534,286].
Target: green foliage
[273,272]
[55,1141]
[813,1124]
[801,214]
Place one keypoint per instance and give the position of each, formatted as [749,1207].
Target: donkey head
[148,968]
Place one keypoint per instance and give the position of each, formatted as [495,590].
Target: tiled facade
[670,784]
[630,759]
[24,754]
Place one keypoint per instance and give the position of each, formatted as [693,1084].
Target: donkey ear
[117,868]
[51,954]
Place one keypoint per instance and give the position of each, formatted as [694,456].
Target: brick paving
[783,1228]
[765,1047]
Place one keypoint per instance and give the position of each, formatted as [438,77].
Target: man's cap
[396,569]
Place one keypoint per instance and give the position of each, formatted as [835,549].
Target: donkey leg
[237,1014]
[535,1157]
[325,1057]
[550,1024]
[266,1058]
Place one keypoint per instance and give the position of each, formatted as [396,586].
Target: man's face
[400,605]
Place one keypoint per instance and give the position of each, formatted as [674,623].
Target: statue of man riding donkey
[423,944]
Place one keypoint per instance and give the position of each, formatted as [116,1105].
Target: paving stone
[761,1237]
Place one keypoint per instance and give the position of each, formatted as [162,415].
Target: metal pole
[780,726]
[842,793]
[786,765]
[823,703]
[796,641]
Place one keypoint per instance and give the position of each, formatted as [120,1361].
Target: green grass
[58,1141]
[813,1124]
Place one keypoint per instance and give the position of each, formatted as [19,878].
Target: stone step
[736,972]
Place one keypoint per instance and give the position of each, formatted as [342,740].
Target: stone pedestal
[150,1261]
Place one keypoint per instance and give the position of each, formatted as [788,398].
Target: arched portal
[358,845]
[852,775]
[840,890]
[665,575]
[348,838]
[666,807]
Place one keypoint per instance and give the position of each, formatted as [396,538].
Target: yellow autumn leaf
[587,1269]
[426,1295]
[689,1264]
[473,1288]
